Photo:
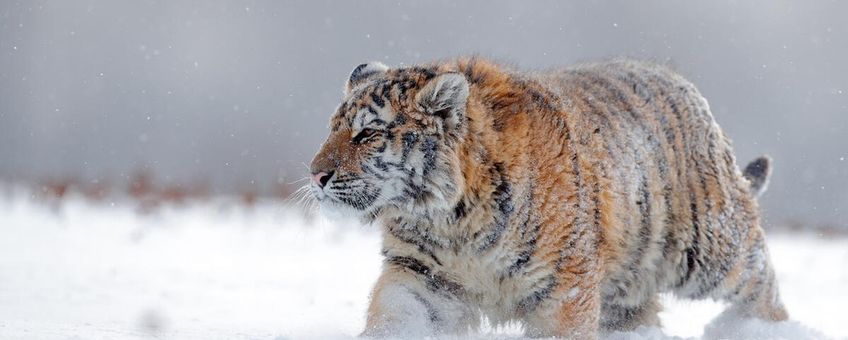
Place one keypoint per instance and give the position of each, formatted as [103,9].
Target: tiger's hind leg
[627,318]
[746,280]
[751,287]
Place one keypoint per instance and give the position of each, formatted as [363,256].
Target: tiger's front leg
[407,303]
[572,312]
[569,306]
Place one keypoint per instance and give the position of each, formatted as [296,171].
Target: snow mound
[729,326]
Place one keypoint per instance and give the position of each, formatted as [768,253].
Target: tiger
[564,200]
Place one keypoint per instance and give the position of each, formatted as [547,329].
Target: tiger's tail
[758,172]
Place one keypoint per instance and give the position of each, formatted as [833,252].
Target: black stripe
[502,197]
[529,236]
[702,229]
[421,244]
[380,164]
[471,72]
[357,74]
[429,147]
[360,200]
[578,181]
[382,147]
[459,211]
[432,313]
[344,179]
[721,266]
[425,72]
[400,119]
[522,259]
[669,131]
[382,87]
[377,100]
[377,122]
[409,139]
[411,264]
[422,234]
[524,256]
[703,239]
[343,108]
[591,82]
[694,251]
[532,301]
[645,232]
[433,281]
[543,101]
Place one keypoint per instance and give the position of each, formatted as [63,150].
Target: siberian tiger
[566,200]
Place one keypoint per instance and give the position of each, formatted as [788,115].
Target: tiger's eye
[364,135]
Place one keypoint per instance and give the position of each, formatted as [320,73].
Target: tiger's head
[393,143]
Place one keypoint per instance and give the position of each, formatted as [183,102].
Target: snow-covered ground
[215,271]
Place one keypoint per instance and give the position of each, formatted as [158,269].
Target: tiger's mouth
[347,199]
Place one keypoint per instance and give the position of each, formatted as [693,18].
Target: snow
[216,270]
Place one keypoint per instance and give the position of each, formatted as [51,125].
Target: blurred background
[216,97]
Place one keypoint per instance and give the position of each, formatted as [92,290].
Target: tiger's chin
[339,212]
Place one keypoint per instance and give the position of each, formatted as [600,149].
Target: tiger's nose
[321,178]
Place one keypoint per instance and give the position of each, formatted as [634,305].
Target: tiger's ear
[445,96]
[363,72]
